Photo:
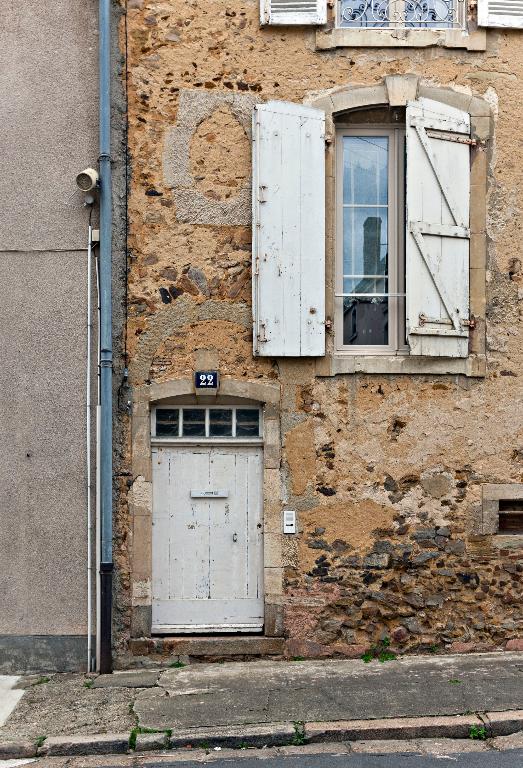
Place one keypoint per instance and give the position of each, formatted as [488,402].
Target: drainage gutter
[106,342]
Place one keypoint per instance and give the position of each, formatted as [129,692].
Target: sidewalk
[268,702]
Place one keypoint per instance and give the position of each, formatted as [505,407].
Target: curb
[272,735]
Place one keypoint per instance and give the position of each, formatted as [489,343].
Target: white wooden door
[207,539]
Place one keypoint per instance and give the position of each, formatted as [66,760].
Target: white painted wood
[293,12]
[437,232]
[288,230]
[500,13]
[207,551]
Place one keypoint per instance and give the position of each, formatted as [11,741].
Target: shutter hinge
[448,136]
[261,334]
[328,139]
[471,323]
[328,324]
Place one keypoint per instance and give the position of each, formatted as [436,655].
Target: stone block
[267,734]
[133,679]
[516,644]
[274,619]
[100,744]
[393,728]
[401,89]
[141,620]
[505,723]
[224,646]
[307,649]
[273,579]
[146,742]
[16,750]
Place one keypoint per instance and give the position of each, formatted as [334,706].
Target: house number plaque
[206,380]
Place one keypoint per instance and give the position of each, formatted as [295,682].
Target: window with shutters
[402,231]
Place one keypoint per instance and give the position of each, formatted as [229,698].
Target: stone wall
[385,471]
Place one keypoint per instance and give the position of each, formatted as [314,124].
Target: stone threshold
[205,647]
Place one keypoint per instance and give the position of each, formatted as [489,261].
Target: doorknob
[235,537]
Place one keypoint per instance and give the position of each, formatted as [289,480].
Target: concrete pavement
[268,702]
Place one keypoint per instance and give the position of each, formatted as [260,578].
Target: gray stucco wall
[48,92]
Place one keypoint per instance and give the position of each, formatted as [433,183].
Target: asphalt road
[512,758]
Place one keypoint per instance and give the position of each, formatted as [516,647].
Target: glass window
[421,14]
[247,422]
[365,240]
[220,422]
[370,280]
[167,422]
[193,423]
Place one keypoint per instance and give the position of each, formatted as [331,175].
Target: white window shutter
[293,11]
[288,230]
[500,13]
[438,235]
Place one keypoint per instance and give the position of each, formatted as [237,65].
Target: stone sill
[507,541]
[400,38]
[473,366]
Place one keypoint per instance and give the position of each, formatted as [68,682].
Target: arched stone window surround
[396,91]
[267,394]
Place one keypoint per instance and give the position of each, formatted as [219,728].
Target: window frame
[396,134]
[460,25]
[207,438]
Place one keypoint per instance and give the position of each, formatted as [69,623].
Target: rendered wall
[48,91]
[385,471]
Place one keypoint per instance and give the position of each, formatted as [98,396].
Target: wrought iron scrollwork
[425,14]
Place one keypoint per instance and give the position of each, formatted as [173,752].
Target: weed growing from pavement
[455,681]
[478,732]
[298,658]
[41,680]
[380,652]
[139,729]
[40,740]
[177,664]
[88,683]
[298,740]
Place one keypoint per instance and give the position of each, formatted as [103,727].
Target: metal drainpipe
[106,341]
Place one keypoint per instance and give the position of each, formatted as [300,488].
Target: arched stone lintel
[397,90]
[263,392]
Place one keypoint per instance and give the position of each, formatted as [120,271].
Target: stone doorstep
[212,647]
[498,724]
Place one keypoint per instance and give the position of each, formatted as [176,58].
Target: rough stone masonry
[385,470]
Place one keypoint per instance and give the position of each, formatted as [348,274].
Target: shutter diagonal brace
[418,229]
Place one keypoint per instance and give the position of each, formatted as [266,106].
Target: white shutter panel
[500,13]
[288,230]
[438,235]
[293,11]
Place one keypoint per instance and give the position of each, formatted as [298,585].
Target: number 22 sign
[206,379]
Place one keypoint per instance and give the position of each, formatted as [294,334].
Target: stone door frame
[145,397]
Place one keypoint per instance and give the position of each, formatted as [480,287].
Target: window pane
[365,163]
[430,14]
[167,420]
[365,321]
[365,246]
[194,422]
[366,13]
[247,422]
[220,422]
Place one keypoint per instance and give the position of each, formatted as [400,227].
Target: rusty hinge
[328,139]
[261,334]
[448,136]
[328,324]
[471,323]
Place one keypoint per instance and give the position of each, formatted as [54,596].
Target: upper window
[409,14]
[371,259]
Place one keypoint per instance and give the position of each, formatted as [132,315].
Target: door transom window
[206,422]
